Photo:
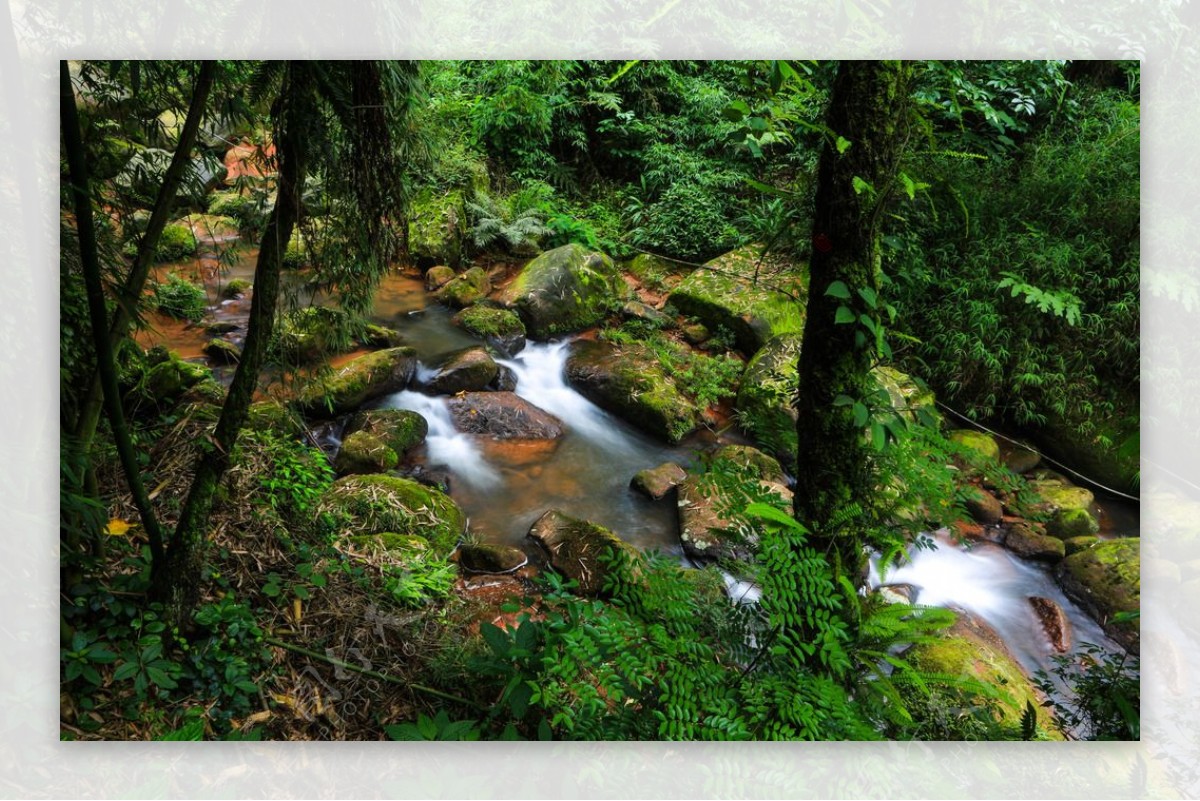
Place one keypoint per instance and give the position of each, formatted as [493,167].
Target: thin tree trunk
[90,261]
[131,291]
[180,584]
[869,108]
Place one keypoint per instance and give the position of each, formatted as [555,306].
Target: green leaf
[764,511]
[160,678]
[496,638]
[861,186]
[844,315]
[191,731]
[271,590]
[125,671]
[861,413]
[839,290]
[869,296]
[842,144]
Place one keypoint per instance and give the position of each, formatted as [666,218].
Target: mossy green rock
[500,329]
[486,557]
[438,276]
[467,370]
[1028,542]
[377,504]
[1077,544]
[364,453]
[378,336]
[400,429]
[565,290]
[983,444]
[576,548]
[630,383]
[238,286]
[1070,523]
[167,380]
[971,651]
[272,415]
[389,543]
[466,289]
[636,310]
[723,293]
[314,333]
[756,463]
[222,351]
[210,227]
[704,533]
[437,227]
[656,482]
[1106,580]
[1057,495]
[367,377]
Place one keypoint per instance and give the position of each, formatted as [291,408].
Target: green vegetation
[181,299]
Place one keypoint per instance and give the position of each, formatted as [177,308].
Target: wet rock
[363,379]
[399,429]
[1054,622]
[505,381]
[564,290]
[723,294]
[696,334]
[364,453]
[1105,579]
[984,507]
[578,549]
[1019,458]
[438,277]
[467,370]
[1059,494]
[656,482]
[758,464]
[979,442]
[378,336]
[465,289]
[238,287]
[436,476]
[314,333]
[502,415]
[437,227]
[500,329]
[636,310]
[490,558]
[1070,523]
[704,533]
[219,328]
[1109,452]
[630,383]
[1028,542]
[375,504]
[222,351]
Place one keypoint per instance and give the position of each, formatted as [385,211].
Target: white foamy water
[445,444]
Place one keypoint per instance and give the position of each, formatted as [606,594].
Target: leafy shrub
[688,222]
[294,475]
[1105,693]
[180,299]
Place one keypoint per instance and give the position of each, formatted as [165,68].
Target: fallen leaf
[118,527]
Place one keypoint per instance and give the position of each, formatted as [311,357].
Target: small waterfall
[445,443]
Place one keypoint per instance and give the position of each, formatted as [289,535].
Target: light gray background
[34,35]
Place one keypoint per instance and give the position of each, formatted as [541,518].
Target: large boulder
[576,548]
[437,228]
[656,482]
[400,429]
[466,370]
[364,453]
[1030,542]
[500,329]
[1106,580]
[564,290]
[360,380]
[377,504]
[629,382]
[486,557]
[724,294]
[438,276]
[463,290]
[222,351]
[503,415]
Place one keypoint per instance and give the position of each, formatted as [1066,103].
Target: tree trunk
[131,290]
[90,262]
[180,585]
[869,107]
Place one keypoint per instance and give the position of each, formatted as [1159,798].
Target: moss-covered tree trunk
[869,108]
[179,584]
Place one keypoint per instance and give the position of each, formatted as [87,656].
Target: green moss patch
[377,504]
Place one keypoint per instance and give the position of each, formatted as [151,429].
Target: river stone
[222,351]
[467,370]
[437,227]
[505,381]
[1106,579]
[1054,622]
[314,333]
[704,533]
[221,327]
[1026,541]
[360,380]
[399,429]
[378,336]
[630,383]
[656,482]
[695,334]
[490,558]
[1070,523]
[983,444]
[1108,453]
[502,415]
[758,464]
[500,329]
[1019,458]
[375,504]
[984,507]
[1077,544]
[465,289]
[238,287]
[971,650]
[575,548]
[636,310]
[438,277]
[1058,495]
[564,290]
[722,294]
[364,453]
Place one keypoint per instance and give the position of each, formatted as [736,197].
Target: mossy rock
[486,557]
[250,213]
[723,294]
[466,289]
[630,383]
[305,245]
[1077,544]
[364,453]
[365,378]
[400,429]
[159,382]
[565,290]
[388,543]
[314,333]
[1070,523]
[577,548]
[108,157]
[438,276]
[174,243]
[222,351]
[1058,495]
[1029,542]
[756,463]
[500,329]
[636,310]
[275,416]
[910,397]
[237,286]
[377,504]
[972,652]
[437,227]
[1106,580]
[378,336]
[656,482]
[466,370]
[979,442]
